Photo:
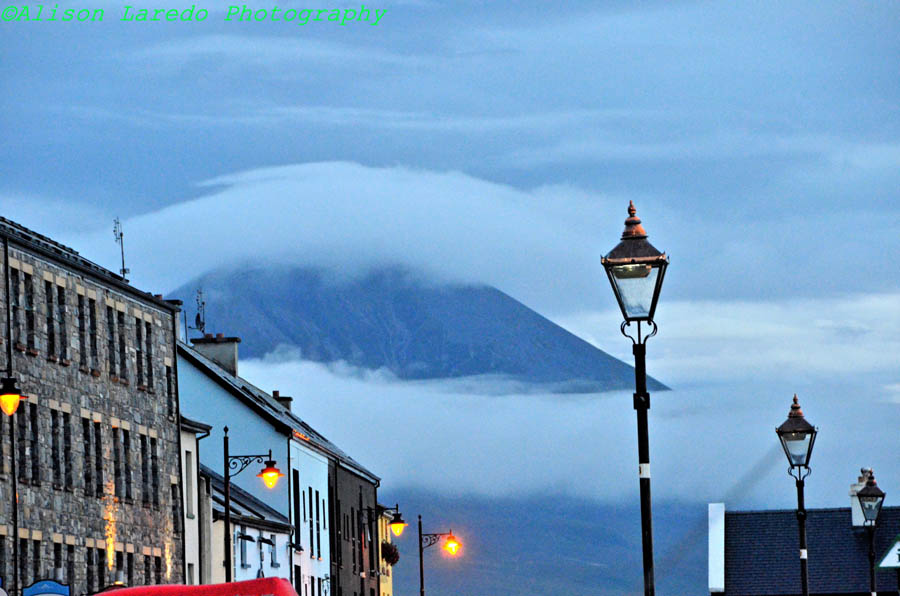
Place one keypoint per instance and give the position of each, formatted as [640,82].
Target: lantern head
[797,437]
[397,525]
[870,499]
[270,474]
[452,545]
[635,270]
[10,396]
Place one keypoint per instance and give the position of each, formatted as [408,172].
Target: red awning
[269,586]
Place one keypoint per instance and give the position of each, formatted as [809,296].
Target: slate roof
[762,552]
[47,247]
[273,411]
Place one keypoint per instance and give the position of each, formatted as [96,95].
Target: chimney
[856,514]
[220,349]
[284,400]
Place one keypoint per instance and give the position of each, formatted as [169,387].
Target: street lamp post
[451,545]
[870,499]
[636,271]
[10,396]
[797,438]
[269,475]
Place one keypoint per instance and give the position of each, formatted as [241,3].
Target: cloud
[742,339]
[349,218]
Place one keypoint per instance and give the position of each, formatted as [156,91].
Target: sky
[501,143]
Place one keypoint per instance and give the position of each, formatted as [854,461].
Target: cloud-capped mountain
[390,319]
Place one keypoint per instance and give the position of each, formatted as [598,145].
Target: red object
[268,586]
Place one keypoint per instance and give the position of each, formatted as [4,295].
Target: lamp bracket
[432,539]
[799,472]
[640,339]
[239,463]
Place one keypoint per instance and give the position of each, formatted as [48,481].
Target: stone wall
[66,514]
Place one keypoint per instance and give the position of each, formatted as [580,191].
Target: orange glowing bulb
[397,528]
[452,545]
[270,474]
[9,403]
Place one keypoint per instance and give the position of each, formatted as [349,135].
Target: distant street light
[870,499]
[269,475]
[451,545]
[636,271]
[797,438]
[10,397]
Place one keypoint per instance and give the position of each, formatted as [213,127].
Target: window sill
[189,515]
[19,347]
[31,352]
[65,362]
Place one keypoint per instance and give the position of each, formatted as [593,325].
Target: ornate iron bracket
[800,472]
[641,339]
[432,539]
[240,462]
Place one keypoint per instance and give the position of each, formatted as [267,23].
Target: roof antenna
[120,240]
[200,319]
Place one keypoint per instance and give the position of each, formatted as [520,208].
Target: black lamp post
[10,397]
[269,475]
[636,271]
[797,438]
[451,545]
[870,499]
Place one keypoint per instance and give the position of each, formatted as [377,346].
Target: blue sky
[500,143]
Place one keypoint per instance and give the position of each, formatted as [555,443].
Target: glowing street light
[451,545]
[10,396]
[269,475]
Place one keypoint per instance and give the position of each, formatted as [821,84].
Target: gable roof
[275,413]
[761,552]
[23,237]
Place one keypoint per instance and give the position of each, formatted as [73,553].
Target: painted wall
[314,560]
[202,399]
[190,508]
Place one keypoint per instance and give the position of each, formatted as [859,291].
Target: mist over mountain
[391,319]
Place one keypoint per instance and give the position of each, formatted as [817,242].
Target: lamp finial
[633,227]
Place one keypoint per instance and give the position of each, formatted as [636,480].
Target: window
[117,464]
[89,565]
[157,569]
[3,556]
[111,340]
[61,321]
[189,483]
[318,529]
[35,560]
[88,461]
[120,323]
[67,448]
[242,539]
[148,570]
[82,334]
[126,455]
[98,459]
[92,324]
[54,448]
[273,552]
[154,459]
[51,326]
[139,352]
[23,560]
[70,564]
[101,567]
[57,557]
[312,542]
[190,574]
[29,312]
[145,471]
[148,337]
[35,454]
[176,513]
[170,392]
[120,563]
[16,307]
[298,499]
[129,561]
[22,434]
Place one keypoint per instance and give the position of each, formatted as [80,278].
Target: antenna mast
[200,319]
[120,240]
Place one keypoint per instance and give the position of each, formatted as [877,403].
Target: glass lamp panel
[636,285]
[871,507]
[796,446]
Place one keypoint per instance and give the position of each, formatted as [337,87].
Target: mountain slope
[391,320]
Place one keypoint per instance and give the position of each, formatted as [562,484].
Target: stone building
[97,440]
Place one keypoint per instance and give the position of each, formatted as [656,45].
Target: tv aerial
[120,240]
[200,319]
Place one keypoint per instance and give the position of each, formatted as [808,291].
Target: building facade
[97,441]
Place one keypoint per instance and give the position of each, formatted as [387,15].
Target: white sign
[891,559]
